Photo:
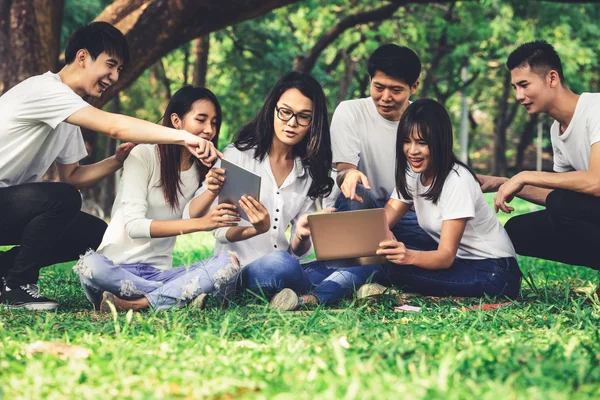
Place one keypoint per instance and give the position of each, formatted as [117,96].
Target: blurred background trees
[239,49]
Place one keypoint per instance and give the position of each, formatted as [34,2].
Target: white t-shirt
[572,148]
[33,133]
[140,200]
[285,205]
[461,197]
[362,137]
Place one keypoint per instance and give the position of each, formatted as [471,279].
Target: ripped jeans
[174,287]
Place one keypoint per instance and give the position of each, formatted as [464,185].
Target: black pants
[45,222]
[567,231]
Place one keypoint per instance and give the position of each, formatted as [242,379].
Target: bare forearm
[201,204]
[300,246]
[578,181]
[534,194]
[88,175]
[436,259]
[160,229]
[239,233]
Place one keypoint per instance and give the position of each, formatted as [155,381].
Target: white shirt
[572,148]
[461,197]
[33,133]
[140,200]
[362,137]
[285,205]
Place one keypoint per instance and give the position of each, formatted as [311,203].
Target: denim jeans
[163,288]
[278,270]
[407,230]
[464,278]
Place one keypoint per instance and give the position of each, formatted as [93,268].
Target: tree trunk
[29,39]
[201,49]
[107,195]
[350,64]
[506,115]
[525,140]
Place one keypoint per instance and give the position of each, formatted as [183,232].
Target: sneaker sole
[32,306]
[286,300]
[369,290]
[200,301]
[106,298]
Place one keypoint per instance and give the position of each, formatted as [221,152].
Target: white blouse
[285,205]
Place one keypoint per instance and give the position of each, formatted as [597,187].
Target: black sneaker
[28,297]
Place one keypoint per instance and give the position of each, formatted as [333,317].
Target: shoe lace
[32,290]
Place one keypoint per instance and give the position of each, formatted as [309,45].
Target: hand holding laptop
[394,251]
[302,227]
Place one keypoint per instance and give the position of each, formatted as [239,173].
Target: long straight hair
[315,148]
[432,123]
[170,154]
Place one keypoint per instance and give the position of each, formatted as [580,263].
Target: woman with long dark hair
[474,255]
[288,145]
[132,268]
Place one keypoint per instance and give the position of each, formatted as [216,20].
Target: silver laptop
[351,237]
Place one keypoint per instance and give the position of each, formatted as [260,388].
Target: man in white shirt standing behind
[41,119]
[363,136]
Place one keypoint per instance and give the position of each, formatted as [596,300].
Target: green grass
[545,346]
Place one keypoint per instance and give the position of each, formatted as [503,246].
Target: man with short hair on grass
[568,230]
[41,119]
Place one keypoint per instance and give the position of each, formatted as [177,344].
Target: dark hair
[396,61]
[314,150]
[170,154]
[96,38]
[432,123]
[539,55]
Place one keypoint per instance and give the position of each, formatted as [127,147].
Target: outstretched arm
[587,182]
[135,130]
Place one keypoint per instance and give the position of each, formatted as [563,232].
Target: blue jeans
[464,278]
[163,288]
[278,270]
[407,230]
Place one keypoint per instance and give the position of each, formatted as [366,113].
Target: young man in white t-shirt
[41,119]
[363,137]
[568,229]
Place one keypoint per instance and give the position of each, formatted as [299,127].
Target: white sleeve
[560,162]
[457,199]
[49,101]
[135,181]
[74,149]
[345,143]
[308,207]
[410,182]
[593,127]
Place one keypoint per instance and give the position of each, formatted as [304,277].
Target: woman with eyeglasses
[288,145]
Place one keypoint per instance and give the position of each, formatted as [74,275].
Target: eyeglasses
[285,114]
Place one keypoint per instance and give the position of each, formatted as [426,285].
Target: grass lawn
[546,346]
